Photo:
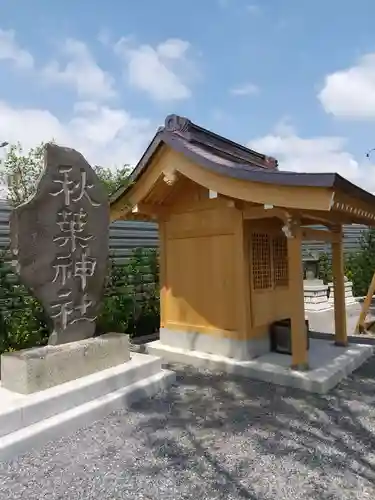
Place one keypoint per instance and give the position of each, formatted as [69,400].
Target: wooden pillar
[163,271]
[295,266]
[242,267]
[341,337]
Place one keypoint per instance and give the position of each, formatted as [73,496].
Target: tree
[21,172]
[113,179]
[361,264]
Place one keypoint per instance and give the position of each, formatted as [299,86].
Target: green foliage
[131,301]
[130,304]
[113,179]
[359,266]
[143,284]
[23,322]
[325,268]
[21,172]
[116,307]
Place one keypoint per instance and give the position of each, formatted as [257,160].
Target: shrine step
[25,425]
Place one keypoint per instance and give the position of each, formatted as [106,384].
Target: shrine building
[231,226]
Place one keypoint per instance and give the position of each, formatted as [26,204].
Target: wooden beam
[115,214]
[149,209]
[361,327]
[318,218]
[308,233]
[341,337]
[261,213]
[203,204]
[141,212]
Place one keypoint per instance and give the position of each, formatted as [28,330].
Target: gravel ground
[214,437]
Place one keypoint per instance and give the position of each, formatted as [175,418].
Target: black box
[281,338]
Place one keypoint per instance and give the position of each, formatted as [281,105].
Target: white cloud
[224,3]
[245,89]
[11,51]
[350,93]
[253,9]
[81,72]
[106,136]
[315,154]
[163,72]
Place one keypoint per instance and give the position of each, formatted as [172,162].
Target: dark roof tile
[228,158]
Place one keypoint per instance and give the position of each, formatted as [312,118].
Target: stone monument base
[349,298]
[28,421]
[316,296]
[32,370]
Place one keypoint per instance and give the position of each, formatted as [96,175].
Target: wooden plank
[360,327]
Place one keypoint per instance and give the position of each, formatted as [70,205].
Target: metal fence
[352,235]
[126,236]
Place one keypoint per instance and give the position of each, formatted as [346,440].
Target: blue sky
[295,79]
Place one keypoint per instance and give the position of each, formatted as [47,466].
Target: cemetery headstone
[59,243]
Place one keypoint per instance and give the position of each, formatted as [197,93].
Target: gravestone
[59,243]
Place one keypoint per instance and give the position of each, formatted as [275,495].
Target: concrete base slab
[325,321]
[242,350]
[29,421]
[329,364]
[318,308]
[39,368]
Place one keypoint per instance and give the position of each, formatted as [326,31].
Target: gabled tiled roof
[225,157]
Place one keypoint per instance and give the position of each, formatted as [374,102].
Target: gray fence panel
[352,236]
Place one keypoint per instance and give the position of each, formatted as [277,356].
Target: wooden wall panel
[201,271]
[201,282]
[270,305]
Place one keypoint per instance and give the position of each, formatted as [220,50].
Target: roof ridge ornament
[175,123]
[271,162]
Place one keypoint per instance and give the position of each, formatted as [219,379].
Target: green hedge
[130,304]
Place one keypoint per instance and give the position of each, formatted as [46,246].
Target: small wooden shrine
[231,225]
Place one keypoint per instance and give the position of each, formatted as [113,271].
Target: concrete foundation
[349,299]
[328,364]
[37,369]
[29,421]
[316,296]
[193,341]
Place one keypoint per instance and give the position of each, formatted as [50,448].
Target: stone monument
[59,240]
[315,291]
[59,243]
[349,297]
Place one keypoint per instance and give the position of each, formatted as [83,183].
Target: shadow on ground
[214,437]
[330,437]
